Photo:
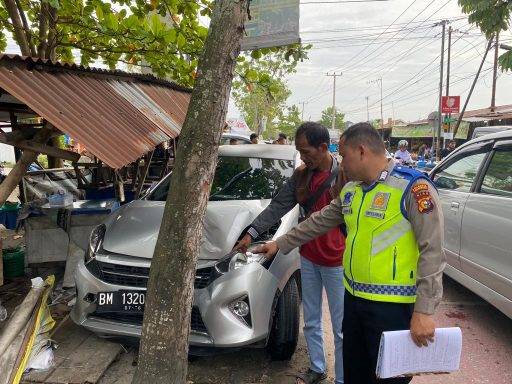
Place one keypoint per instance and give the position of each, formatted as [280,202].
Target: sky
[398,41]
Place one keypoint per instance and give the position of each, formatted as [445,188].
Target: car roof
[494,128]
[235,136]
[501,135]
[264,151]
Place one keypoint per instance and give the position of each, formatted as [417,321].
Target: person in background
[402,155]
[452,144]
[313,186]
[281,139]
[253,138]
[233,141]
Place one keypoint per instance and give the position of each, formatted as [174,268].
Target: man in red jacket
[313,185]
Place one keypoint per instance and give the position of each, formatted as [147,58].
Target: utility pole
[495,74]
[440,120]
[302,114]
[449,116]
[379,82]
[367,110]
[461,114]
[334,75]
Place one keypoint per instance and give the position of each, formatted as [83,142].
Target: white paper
[398,355]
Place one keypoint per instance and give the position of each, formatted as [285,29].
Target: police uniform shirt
[425,215]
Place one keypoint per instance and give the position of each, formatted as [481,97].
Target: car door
[486,242]
[455,179]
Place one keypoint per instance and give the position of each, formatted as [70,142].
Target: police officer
[393,259]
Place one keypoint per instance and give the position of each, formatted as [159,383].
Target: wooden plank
[41,148]
[81,357]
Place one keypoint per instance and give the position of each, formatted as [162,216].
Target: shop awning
[117,116]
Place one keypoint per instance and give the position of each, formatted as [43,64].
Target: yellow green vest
[381,251]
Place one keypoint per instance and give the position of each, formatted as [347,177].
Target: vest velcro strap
[390,237]
[379,289]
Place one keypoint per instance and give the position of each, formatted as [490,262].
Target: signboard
[273,23]
[448,135]
[237,126]
[450,104]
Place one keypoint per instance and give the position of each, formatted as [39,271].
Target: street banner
[450,104]
[273,23]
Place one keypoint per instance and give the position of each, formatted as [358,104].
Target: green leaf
[251,75]
[155,25]
[505,61]
[170,36]
[99,13]
[54,3]
[256,55]
[111,21]
[181,41]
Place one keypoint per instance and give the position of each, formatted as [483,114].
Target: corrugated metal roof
[117,116]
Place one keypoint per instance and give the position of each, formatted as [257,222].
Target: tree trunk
[19,170]
[19,31]
[165,332]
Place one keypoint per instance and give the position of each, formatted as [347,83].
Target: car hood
[133,229]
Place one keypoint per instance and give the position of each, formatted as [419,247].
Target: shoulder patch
[423,198]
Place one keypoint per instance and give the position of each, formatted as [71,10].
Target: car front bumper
[219,326]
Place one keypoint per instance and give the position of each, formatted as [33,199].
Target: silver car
[240,299]
[475,186]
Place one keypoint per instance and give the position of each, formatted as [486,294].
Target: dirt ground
[486,357]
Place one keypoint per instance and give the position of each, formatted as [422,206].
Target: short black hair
[364,133]
[315,133]
[282,136]
[233,140]
[253,136]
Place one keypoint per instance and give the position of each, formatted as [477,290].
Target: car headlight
[236,259]
[95,242]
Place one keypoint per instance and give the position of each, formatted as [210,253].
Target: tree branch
[52,33]
[43,30]
[26,27]
[19,32]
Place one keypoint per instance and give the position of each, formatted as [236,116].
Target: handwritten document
[399,356]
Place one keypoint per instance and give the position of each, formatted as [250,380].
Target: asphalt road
[486,356]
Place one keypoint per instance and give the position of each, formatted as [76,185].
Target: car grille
[196,320]
[138,276]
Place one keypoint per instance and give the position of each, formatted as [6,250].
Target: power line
[342,1]
[394,21]
[372,27]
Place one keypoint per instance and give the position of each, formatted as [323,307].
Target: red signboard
[450,104]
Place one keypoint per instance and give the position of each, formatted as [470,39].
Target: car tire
[284,331]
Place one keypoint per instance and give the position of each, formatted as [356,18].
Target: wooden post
[143,174]
[28,157]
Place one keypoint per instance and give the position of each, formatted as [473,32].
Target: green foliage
[260,92]
[491,16]
[326,119]
[289,121]
[164,35]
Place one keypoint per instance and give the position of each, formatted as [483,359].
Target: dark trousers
[363,323]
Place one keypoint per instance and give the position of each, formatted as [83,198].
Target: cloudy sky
[398,41]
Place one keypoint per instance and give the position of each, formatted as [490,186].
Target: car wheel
[284,332]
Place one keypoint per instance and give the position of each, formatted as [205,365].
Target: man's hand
[269,249]
[422,329]
[243,244]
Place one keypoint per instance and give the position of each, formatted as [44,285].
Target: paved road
[486,357]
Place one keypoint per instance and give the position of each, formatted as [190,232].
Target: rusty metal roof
[117,116]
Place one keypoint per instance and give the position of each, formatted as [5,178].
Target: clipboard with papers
[399,356]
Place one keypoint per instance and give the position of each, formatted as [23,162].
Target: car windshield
[240,178]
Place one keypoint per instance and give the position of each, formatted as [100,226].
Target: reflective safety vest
[381,254]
